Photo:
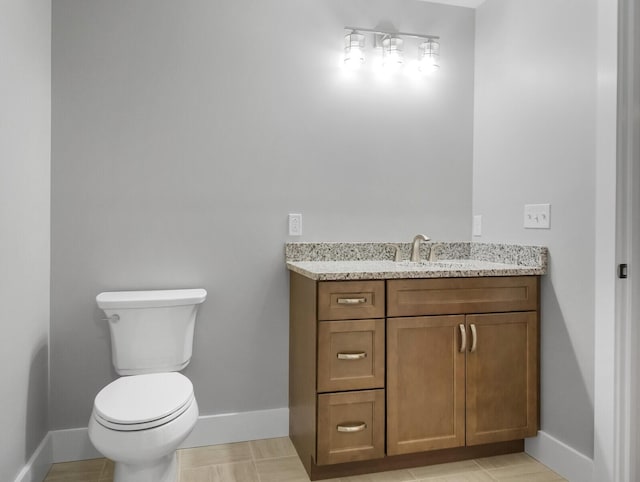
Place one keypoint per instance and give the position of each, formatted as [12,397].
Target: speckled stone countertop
[359,261]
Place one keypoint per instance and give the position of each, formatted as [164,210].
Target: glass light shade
[353,49]
[429,56]
[392,58]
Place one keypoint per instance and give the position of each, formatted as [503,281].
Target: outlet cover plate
[295,224]
[477,225]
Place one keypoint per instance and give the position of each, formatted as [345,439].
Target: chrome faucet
[415,249]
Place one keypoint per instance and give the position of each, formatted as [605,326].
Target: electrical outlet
[537,216]
[477,225]
[295,224]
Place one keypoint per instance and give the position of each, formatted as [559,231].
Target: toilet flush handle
[112,318]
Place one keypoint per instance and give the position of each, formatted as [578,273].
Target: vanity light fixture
[392,46]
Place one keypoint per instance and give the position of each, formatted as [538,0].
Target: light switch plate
[537,216]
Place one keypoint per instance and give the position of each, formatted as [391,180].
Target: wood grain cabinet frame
[389,374]
[336,343]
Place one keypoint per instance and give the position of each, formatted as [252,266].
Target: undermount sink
[444,263]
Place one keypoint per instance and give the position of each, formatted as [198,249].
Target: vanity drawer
[350,426]
[417,297]
[350,300]
[350,355]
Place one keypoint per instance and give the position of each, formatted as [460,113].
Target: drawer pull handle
[351,301]
[463,338]
[350,427]
[352,356]
[474,337]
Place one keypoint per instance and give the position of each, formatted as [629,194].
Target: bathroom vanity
[400,364]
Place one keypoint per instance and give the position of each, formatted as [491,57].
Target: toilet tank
[151,331]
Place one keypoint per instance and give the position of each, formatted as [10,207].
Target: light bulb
[429,56]
[392,58]
[353,50]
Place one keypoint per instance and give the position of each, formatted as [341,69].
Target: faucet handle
[398,255]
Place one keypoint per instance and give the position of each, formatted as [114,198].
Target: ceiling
[459,3]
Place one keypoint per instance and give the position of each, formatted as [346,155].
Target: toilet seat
[142,402]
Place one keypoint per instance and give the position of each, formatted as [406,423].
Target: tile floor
[275,460]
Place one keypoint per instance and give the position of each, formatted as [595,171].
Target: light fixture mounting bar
[386,32]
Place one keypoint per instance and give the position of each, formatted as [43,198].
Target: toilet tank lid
[149,299]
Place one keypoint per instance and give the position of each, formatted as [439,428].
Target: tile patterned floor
[275,460]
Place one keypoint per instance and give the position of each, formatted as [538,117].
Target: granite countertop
[361,261]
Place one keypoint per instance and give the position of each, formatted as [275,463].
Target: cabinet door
[425,383]
[502,377]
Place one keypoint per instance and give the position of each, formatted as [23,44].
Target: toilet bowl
[139,421]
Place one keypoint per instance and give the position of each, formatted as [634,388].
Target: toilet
[141,418]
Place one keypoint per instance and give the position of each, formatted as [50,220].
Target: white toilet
[140,419]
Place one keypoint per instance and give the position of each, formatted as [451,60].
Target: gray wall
[25,115]
[534,142]
[183,134]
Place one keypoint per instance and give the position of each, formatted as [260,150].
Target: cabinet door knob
[352,356]
[351,301]
[463,338]
[474,337]
[349,427]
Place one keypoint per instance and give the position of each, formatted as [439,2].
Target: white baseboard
[239,427]
[74,444]
[560,458]
[36,468]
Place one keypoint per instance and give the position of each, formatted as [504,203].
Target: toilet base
[161,470]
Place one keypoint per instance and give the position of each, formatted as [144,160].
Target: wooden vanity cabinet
[400,373]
